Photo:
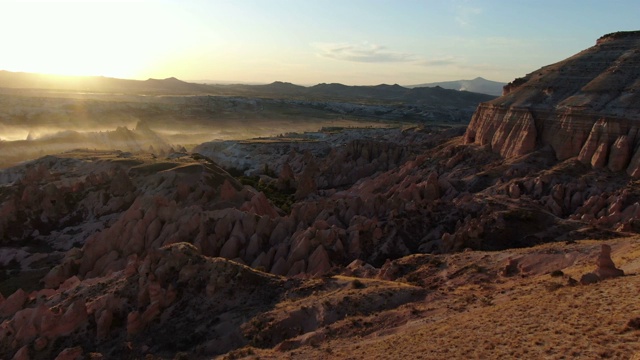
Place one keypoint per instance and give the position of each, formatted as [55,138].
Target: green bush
[283,199]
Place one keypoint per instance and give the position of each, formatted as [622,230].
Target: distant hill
[383,93]
[479,85]
[22,80]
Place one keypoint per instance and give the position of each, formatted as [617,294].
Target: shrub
[357,284]
[557,273]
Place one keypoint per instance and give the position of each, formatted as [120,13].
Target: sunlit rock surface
[586,106]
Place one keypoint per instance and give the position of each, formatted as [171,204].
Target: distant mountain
[22,80]
[396,94]
[479,85]
[279,87]
[169,85]
[382,93]
[224,82]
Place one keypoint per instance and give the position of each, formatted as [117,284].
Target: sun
[115,39]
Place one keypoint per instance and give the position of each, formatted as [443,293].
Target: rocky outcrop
[130,244]
[145,299]
[586,106]
[605,268]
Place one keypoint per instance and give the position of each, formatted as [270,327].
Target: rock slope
[586,106]
[125,248]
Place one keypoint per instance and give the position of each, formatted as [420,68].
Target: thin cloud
[366,53]
[446,61]
[465,14]
[484,67]
[457,63]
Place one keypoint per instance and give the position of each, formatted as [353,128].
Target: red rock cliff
[586,106]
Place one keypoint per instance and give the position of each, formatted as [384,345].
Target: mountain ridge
[479,85]
[174,86]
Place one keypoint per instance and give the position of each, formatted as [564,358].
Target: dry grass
[527,316]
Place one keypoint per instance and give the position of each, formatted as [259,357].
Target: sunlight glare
[108,39]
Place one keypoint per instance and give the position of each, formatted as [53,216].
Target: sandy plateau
[383,234]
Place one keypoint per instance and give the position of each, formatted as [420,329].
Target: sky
[354,42]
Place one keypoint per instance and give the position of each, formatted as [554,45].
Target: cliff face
[586,106]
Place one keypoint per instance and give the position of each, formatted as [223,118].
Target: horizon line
[233,82]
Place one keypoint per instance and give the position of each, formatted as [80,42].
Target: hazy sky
[304,41]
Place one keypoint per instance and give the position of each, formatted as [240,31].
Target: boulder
[589,278]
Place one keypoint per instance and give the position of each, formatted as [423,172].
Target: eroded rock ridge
[586,106]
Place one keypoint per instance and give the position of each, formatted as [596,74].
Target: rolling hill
[479,85]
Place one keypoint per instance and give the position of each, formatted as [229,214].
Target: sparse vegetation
[283,199]
[553,286]
[557,273]
[357,284]
[633,324]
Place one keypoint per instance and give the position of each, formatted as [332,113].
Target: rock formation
[605,266]
[121,245]
[585,106]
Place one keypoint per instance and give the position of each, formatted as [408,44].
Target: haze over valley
[43,114]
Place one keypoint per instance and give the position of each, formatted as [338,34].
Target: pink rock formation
[306,183]
[585,106]
[228,192]
[599,158]
[134,323]
[22,354]
[103,324]
[620,154]
[74,353]
[13,303]
[319,262]
[40,344]
[605,266]
[286,179]
[72,319]
[510,268]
